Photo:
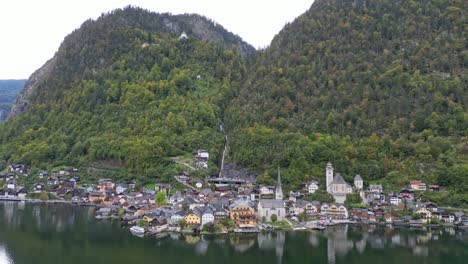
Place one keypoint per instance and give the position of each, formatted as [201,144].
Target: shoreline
[301,227]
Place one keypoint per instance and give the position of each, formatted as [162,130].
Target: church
[337,186]
[269,207]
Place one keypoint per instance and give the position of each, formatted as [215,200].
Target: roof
[338,179]
[302,203]
[357,177]
[271,203]
[415,182]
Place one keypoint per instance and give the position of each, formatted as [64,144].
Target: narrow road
[184,183]
[183,163]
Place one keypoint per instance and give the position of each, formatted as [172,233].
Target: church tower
[279,190]
[329,175]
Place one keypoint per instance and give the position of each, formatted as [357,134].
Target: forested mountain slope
[128,88]
[378,87]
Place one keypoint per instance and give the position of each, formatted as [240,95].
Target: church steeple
[279,190]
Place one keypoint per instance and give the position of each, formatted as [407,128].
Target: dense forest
[377,87]
[9,89]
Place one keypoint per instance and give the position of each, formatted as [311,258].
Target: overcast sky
[32,30]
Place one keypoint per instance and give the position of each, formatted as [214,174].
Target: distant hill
[9,89]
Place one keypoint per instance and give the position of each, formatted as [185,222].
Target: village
[222,205]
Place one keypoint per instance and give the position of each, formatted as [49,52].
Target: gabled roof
[271,203]
[357,177]
[338,179]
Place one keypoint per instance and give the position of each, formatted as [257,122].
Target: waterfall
[224,152]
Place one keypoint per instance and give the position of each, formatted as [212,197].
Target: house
[176,198]
[192,218]
[375,188]
[17,168]
[207,215]
[434,188]
[121,188]
[431,206]
[309,208]
[395,199]
[201,159]
[163,187]
[106,185]
[417,185]
[11,185]
[221,213]
[447,217]
[358,182]
[43,174]
[243,214]
[337,211]
[266,190]
[39,187]
[183,35]
[94,197]
[52,181]
[183,176]
[407,194]
[312,186]
[176,217]
[131,184]
[425,213]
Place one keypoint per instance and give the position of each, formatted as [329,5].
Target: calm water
[40,233]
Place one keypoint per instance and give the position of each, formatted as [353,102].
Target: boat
[299,228]
[136,230]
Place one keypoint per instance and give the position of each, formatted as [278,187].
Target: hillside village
[222,205]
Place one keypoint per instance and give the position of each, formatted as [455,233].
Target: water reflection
[242,243]
[47,227]
[4,256]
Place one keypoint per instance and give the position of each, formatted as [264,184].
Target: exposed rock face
[231,171]
[21,103]
[204,29]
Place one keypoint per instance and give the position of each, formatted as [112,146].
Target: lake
[48,233]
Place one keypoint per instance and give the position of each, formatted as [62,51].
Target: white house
[266,190]
[176,217]
[11,185]
[358,182]
[121,188]
[207,216]
[375,188]
[312,186]
[395,199]
[183,35]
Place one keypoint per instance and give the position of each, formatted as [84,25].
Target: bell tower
[329,176]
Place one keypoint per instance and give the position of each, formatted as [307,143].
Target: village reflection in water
[333,244]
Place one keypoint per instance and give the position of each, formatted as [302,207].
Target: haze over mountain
[377,87]
[9,89]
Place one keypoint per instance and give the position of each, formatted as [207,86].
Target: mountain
[9,89]
[131,89]
[377,87]
[85,50]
